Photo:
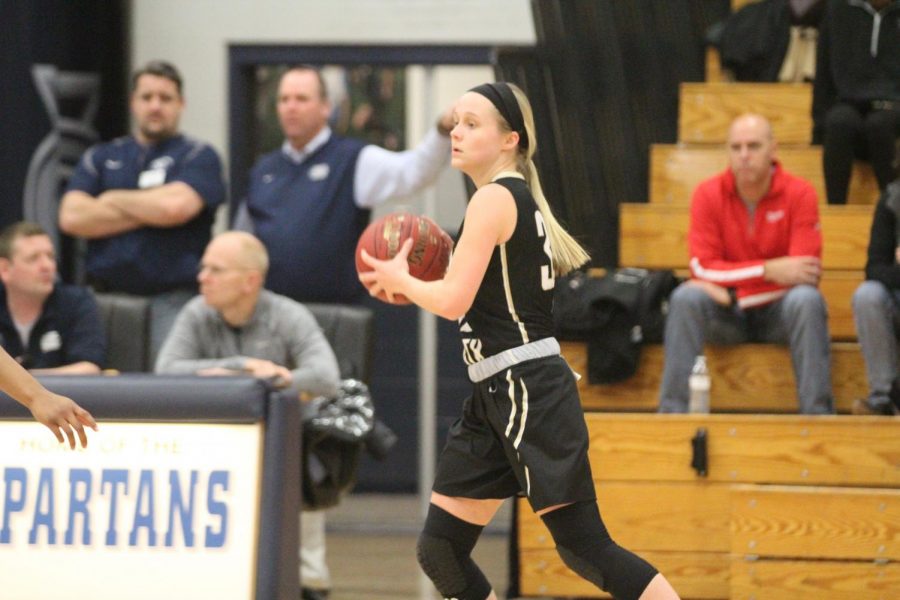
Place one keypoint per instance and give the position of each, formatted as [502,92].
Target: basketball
[428,258]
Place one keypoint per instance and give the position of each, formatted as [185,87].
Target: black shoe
[894,395]
[312,594]
[863,406]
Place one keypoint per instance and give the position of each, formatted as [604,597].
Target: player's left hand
[386,275]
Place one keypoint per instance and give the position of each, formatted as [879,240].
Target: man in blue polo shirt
[48,327]
[146,202]
[310,200]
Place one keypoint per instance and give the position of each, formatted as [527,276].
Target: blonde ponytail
[567,253]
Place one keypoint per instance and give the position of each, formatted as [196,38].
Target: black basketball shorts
[521,432]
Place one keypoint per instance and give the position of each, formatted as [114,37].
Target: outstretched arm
[60,414]
[383,175]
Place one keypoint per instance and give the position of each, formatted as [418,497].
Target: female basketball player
[522,430]
[58,413]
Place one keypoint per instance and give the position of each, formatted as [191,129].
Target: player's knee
[443,552]
[438,561]
[586,547]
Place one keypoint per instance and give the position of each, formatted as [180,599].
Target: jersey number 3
[547,275]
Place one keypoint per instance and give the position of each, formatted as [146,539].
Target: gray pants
[799,319]
[876,311]
[313,567]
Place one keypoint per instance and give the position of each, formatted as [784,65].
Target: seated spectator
[145,203]
[770,40]
[876,306]
[856,96]
[755,250]
[48,327]
[235,326]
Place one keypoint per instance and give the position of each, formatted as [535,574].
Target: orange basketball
[430,253]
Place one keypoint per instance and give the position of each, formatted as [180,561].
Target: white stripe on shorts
[512,402]
[523,418]
[524,415]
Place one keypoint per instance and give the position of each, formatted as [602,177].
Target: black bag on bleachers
[614,348]
[653,302]
[573,310]
[615,314]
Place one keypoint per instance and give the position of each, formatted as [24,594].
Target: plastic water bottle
[699,385]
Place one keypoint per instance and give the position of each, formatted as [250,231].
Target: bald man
[235,326]
[755,257]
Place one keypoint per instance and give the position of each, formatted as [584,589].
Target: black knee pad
[443,552]
[586,547]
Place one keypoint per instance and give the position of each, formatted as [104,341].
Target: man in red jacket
[755,247]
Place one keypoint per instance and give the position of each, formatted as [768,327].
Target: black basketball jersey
[514,302]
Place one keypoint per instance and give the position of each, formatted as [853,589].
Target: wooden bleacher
[676,169]
[706,110]
[791,507]
[745,378]
[654,236]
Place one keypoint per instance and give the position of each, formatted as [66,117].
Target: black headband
[502,97]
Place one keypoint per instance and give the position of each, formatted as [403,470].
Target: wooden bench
[676,169]
[654,236]
[745,529]
[754,378]
[706,110]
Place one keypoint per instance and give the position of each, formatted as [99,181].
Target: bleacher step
[745,378]
[706,110]
[677,169]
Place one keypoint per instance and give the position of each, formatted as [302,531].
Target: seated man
[755,248]
[48,327]
[876,306]
[856,95]
[235,326]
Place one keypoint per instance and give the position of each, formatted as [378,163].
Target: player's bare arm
[59,414]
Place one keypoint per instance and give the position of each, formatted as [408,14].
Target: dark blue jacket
[68,331]
[150,260]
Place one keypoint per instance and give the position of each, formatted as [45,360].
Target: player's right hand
[62,416]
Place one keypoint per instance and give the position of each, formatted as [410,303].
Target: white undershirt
[24,330]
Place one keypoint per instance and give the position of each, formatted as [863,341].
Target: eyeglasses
[215,271]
